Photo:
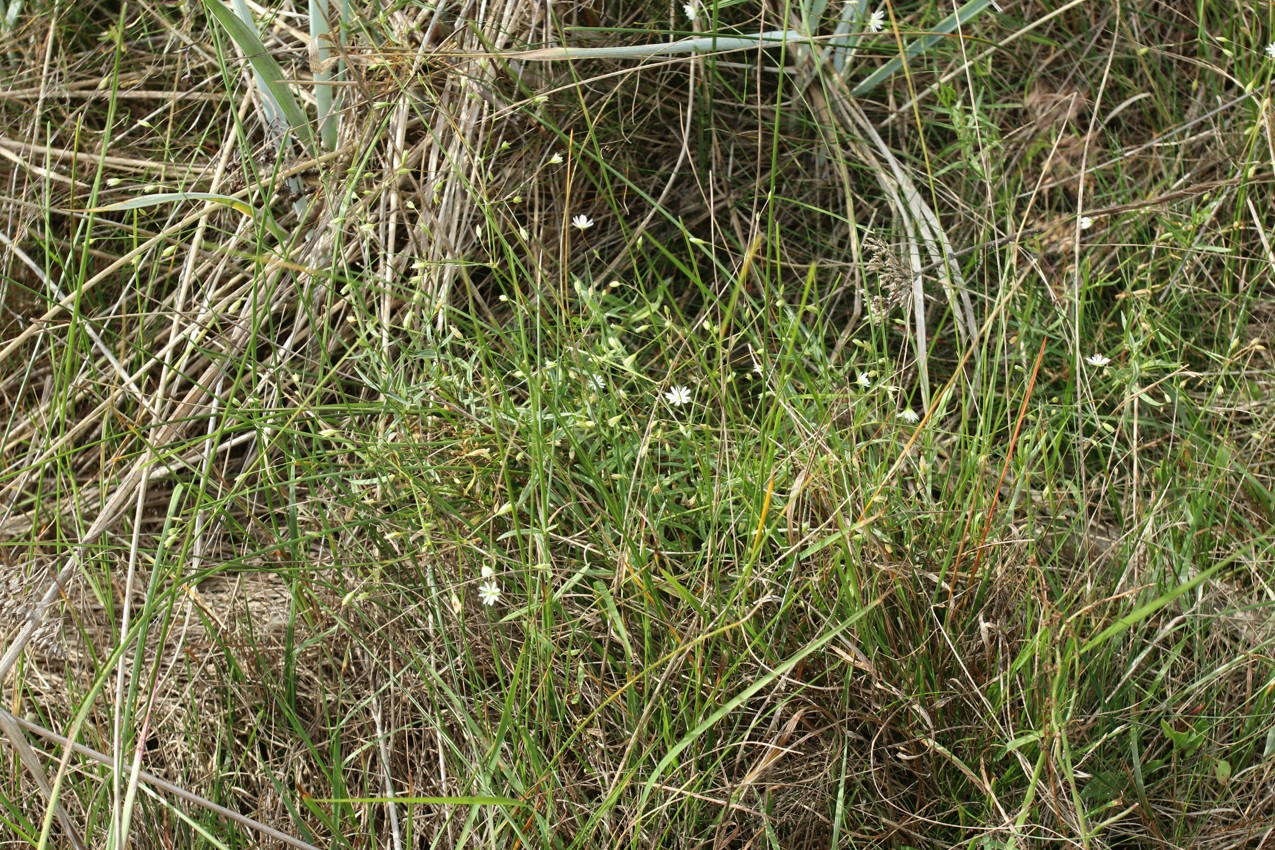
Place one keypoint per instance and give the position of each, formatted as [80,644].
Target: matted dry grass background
[183,353]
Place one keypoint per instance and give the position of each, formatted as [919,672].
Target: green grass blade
[945,27]
[430,801]
[328,119]
[161,198]
[269,75]
[743,696]
[1140,613]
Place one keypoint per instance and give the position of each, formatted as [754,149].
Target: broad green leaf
[811,12]
[1185,742]
[945,27]
[160,198]
[1019,742]
[323,76]
[269,74]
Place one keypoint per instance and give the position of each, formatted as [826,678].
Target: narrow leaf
[323,76]
[1140,613]
[269,74]
[945,27]
[160,198]
[671,757]
[433,801]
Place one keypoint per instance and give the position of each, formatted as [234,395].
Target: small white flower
[581,222]
[488,572]
[596,382]
[489,592]
[556,159]
[678,396]
[1270,50]
[909,416]
[1099,360]
[1085,222]
[691,10]
[863,380]
[876,21]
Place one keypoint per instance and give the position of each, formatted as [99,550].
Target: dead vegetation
[256,444]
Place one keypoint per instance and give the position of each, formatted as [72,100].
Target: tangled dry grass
[247,483]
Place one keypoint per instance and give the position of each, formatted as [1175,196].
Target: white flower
[863,380]
[1085,222]
[1270,50]
[581,222]
[909,416]
[691,10]
[876,21]
[556,159]
[1097,360]
[596,382]
[489,592]
[678,396]
[488,572]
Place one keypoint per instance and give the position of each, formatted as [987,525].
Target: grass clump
[544,436]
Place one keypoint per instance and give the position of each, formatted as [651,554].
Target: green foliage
[660,430]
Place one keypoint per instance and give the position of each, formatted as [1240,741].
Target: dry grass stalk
[894,278]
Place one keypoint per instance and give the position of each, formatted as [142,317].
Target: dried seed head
[896,281]
[18,602]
